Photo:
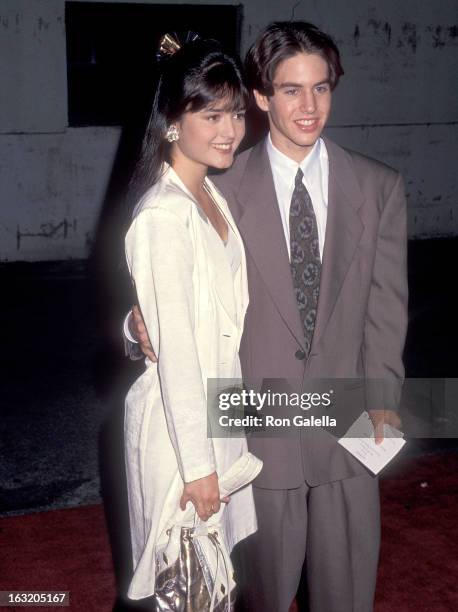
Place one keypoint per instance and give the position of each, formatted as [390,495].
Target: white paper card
[360,442]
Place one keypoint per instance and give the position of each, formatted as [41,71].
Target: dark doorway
[111,50]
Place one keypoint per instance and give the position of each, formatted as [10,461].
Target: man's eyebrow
[287,84]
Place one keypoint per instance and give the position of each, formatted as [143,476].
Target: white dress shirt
[316,173]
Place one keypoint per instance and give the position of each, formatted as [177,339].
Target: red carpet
[69,549]
[419,560]
[59,550]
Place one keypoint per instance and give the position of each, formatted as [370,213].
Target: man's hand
[379,418]
[138,330]
[204,494]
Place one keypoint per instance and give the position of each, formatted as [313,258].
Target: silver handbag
[194,572]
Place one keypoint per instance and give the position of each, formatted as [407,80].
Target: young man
[325,237]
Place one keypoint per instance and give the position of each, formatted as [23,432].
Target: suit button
[299,354]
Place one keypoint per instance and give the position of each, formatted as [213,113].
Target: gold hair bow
[170,44]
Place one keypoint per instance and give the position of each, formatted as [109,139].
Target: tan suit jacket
[362,311]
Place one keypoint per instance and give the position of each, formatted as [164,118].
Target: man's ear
[261,100]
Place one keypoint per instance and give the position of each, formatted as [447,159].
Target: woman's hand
[204,494]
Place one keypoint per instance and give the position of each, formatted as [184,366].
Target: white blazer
[194,310]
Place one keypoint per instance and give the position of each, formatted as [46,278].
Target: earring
[172,134]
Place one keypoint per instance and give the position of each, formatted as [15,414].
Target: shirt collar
[287,167]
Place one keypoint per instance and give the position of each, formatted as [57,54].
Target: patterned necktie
[305,257]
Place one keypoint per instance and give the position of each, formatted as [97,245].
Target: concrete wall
[397,102]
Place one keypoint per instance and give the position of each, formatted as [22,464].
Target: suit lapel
[343,233]
[262,230]
[221,274]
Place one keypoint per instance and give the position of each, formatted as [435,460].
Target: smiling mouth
[306,122]
[223,147]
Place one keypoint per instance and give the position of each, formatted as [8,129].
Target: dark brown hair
[281,40]
[197,75]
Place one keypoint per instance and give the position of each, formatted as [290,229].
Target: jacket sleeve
[386,318]
[161,261]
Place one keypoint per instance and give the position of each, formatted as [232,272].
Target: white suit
[194,307]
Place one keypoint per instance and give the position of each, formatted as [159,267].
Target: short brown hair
[281,40]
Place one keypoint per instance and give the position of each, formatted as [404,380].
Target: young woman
[187,263]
